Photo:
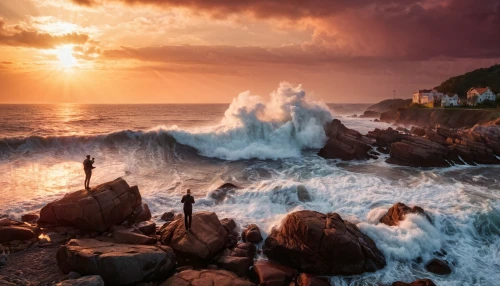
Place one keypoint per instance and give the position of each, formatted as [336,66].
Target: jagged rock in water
[398,212]
[344,143]
[323,244]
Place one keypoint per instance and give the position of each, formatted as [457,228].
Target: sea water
[268,146]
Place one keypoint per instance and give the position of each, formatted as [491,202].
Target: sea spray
[254,128]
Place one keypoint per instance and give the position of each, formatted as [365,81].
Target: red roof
[481,90]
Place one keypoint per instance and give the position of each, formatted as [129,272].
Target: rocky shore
[418,147]
[447,117]
[105,236]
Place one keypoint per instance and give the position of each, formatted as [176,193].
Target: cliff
[451,118]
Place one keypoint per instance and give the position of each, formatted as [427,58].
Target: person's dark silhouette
[188,201]
[87,167]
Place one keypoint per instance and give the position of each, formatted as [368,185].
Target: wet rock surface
[398,212]
[251,234]
[344,143]
[323,244]
[438,266]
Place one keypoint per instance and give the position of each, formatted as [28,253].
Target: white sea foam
[254,128]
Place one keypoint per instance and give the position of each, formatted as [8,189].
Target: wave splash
[253,128]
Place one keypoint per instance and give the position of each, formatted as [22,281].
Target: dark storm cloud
[409,29]
[22,37]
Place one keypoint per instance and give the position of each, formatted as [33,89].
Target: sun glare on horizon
[65,56]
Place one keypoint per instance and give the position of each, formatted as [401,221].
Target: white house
[480,94]
[424,96]
[450,99]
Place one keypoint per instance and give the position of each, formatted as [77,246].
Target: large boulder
[95,209]
[273,274]
[11,230]
[344,143]
[398,212]
[420,282]
[206,238]
[322,244]
[116,263]
[206,277]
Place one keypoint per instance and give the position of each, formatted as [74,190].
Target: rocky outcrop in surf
[323,244]
[398,212]
[345,144]
[439,147]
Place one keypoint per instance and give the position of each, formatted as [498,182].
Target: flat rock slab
[116,263]
[16,230]
[206,277]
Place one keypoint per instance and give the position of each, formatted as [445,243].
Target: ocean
[268,147]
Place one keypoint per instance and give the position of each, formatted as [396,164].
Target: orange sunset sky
[208,51]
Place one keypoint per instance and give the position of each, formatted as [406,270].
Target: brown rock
[146,227]
[309,280]
[11,230]
[31,217]
[398,212]
[96,209]
[418,152]
[228,223]
[345,144]
[239,259]
[205,277]
[323,244]
[206,238]
[141,213]
[129,237]
[386,137]
[223,192]
[251,234]
[420,282]
[273,274]
[116,263]
[168,216]
[438,266]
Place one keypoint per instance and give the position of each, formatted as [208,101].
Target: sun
[65,56]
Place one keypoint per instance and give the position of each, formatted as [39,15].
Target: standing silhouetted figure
[87,167]
[188,201]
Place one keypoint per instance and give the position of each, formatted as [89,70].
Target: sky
[209,51]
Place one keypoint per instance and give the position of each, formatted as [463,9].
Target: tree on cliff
[478,78]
